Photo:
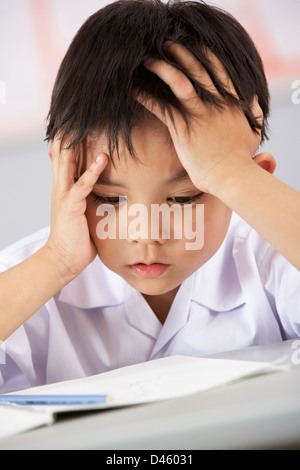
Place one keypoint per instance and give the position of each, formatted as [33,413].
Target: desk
[262,412]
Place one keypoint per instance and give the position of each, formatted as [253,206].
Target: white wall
[34,36]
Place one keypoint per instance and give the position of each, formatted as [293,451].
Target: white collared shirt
[246,294]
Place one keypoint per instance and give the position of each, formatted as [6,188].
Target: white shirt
[246,294]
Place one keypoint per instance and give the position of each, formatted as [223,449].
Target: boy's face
[152,257]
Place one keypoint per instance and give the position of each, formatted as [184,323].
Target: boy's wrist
[228,178]
[61,273]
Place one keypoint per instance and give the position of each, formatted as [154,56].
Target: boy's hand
[70,243]
[217,141]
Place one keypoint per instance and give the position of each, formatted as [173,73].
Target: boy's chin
[153,287]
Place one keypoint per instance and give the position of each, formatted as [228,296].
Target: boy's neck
[161,304]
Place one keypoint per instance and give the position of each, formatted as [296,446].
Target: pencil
[56,399]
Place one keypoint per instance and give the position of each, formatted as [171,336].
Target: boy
[155,104]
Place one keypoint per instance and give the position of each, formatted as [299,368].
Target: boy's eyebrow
[105,181]
[181,175]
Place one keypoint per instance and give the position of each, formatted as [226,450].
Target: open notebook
[160,379]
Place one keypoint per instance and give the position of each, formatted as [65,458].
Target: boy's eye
[186,199]
[113,200]
[117,200]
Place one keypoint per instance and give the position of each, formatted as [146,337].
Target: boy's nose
[145,229]
[144,236]
[146,241]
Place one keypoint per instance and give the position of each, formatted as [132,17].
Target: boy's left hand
[217,142]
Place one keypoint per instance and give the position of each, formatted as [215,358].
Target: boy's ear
[50,153]
[266,161]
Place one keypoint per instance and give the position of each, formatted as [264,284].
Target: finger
[157,110]
[55,150]
[188,61]
[85,184]
[256,110]
[54,166]
[64,165]
[221,73]
[174,78]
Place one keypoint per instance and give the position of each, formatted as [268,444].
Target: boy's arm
[26,287]
[216,151]
[29,285]
[271,207]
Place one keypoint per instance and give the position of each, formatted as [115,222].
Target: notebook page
[159,379]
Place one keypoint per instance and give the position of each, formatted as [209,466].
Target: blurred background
[34,36]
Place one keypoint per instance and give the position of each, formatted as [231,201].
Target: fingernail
[98,160]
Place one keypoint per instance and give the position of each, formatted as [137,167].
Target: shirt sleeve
[282,285]
[22,359]
[5,264]
[23,356]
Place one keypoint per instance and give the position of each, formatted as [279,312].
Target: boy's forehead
[96,141]
[145,139]
[152,149]
[115,177]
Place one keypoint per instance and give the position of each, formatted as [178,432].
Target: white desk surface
[259,413]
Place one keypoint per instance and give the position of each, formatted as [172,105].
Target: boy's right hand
[69,244]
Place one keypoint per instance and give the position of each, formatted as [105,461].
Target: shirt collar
[96,286]
[216,285]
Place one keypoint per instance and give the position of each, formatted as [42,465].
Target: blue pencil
[56,399]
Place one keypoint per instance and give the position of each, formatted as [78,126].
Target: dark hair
[103,68]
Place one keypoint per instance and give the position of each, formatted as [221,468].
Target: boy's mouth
[149,270]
